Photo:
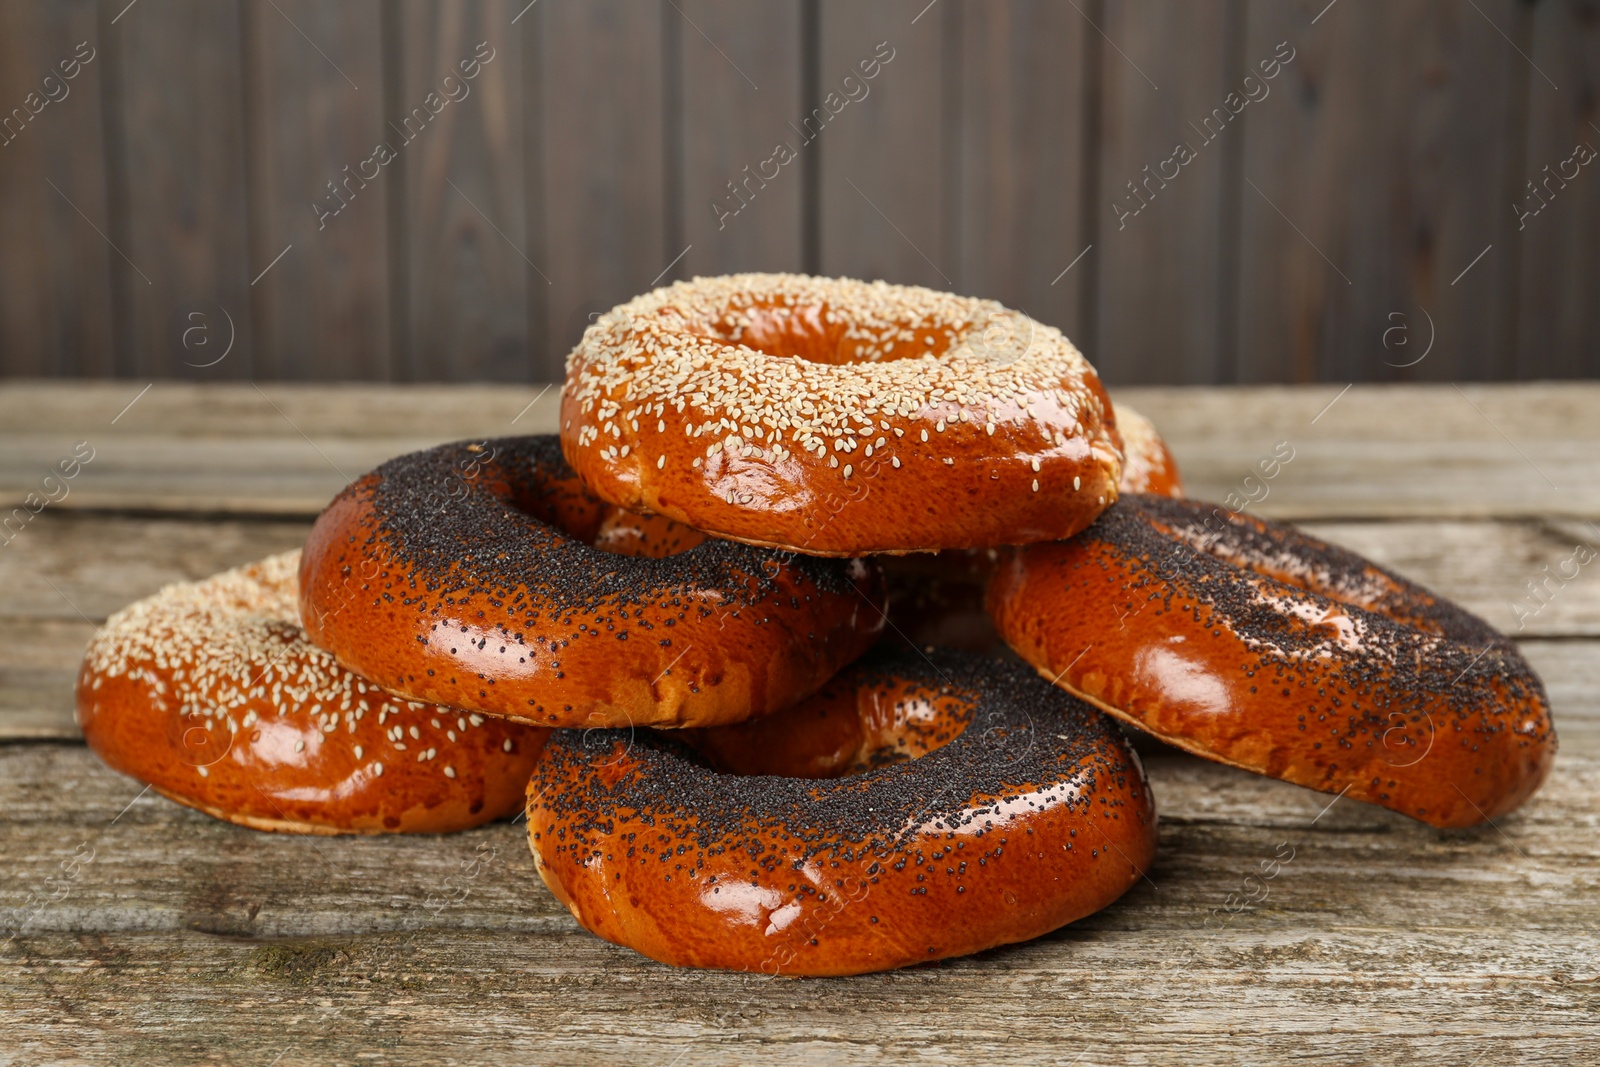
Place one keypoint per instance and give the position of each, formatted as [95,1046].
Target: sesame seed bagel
[1252,644]
[978,806]
[466,575]
[1147,463]
[210,692]
[836,417]
[938,598]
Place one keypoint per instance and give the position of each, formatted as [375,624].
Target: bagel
[210,692]
[938,599]
[628,533]
[1147,463]
[465,575]
[978,807]
[1255,645]
[836,417]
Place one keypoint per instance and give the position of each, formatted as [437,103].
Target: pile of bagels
[807,645]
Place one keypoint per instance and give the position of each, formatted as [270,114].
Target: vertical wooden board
[1161,243]
[315,106]
[178,192]
[460,144]
[1386,145]
[1023,157]
[55,287]
[1559,311]
[602,164]
[884,180]
[740,70]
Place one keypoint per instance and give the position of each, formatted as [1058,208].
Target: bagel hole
[804,332]
[840,732]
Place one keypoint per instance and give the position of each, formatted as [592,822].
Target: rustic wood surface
[985,158]
[137,931]
[305,125]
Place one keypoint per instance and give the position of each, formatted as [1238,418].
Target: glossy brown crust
[1147,463]
[1026,811]
[211,693]
[938,598]
[1252,644]
[837,418]
[465,575]
[628,533]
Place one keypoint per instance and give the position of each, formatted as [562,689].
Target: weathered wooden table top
[138,931]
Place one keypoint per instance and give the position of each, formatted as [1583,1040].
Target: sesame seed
[919,360]
[449,772]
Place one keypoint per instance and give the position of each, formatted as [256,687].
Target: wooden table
[184,939]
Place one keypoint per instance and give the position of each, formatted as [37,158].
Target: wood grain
[1163,247]
[600,159]
[1391,204]
[1025,159]
[887,160]
[55,269]
[100,562]
[1559,318]
[316,111]
[83,568]
[179,191]
[1417,452]
[1370,944]
[466,250]
[64,575]
[38,663]
[133,930]
[725,124]
[1338,216]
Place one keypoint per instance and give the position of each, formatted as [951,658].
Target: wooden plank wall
[203,199]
